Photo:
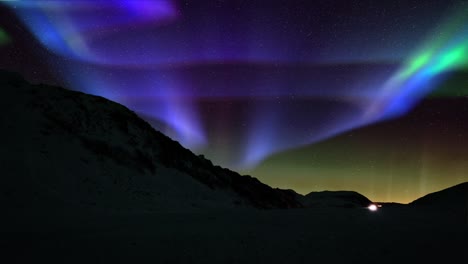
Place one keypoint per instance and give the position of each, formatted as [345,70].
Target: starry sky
[310,95]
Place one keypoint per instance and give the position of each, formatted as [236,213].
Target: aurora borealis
[397,160]
[240,81]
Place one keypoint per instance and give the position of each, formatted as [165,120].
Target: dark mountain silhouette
[452,201]
[453,197]
[85,178]
[66,148]
[347,199]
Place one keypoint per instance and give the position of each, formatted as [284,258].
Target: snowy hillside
[64,149]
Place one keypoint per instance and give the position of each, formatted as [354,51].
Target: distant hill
[346,199]
[453,197]
[65,149]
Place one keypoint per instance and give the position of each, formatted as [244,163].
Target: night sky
[311,95]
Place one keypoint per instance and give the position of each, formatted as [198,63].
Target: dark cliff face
[76,148]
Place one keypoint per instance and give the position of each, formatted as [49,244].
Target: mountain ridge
[68,148]
[455,197]
[111,132]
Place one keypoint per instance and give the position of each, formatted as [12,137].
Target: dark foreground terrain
[325,235]
[85,180]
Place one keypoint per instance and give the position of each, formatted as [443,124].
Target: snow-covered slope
[65,149]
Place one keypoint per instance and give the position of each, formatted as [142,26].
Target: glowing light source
[372,207]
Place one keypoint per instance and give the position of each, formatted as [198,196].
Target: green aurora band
[401,159]
[4,37]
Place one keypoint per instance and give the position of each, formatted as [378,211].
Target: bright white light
[372,207]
